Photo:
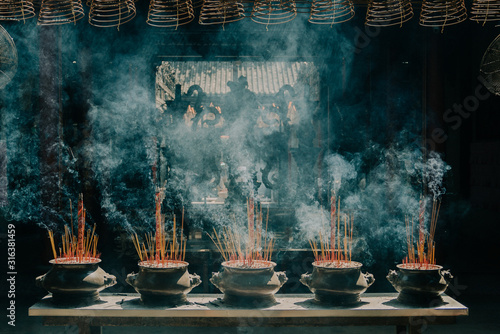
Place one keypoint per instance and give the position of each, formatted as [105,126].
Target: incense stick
[155,251]
[228,242]
[81,248]
[335,250]
[425,246]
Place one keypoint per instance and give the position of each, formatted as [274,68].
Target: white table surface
[288,305]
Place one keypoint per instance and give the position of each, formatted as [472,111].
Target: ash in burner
[419,266]
[337,264]
[75,260]
[163,264]
[249,264]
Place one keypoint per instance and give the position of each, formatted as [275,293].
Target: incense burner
[419,284]
[337,285]
[253,285]
[74,283]
[164,285]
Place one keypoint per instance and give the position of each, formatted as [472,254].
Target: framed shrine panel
[234,129]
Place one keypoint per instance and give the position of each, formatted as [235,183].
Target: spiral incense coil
[442,13]
[385,13]
[221,12]
[170,13]
[111,13]
[331,11]
[273,11]
[57,12]
[88,3]
[483,11]
[16,10]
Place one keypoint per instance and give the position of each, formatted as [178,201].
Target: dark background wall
[382,83]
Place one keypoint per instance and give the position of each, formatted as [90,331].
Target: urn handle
[447,276]
[282,277]
[194,280]
[131,279]
[216,280]
[39,280]
[370,279]
[305,279]
[392,276]
[109,280]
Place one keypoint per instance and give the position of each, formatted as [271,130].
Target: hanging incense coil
[331,11]
[88,3]
[483,11]
[57,12]
[170,13]
[273,11]
[221,12]
[111,13]
[16,10]
[302,6]
[385,13]
[442,13]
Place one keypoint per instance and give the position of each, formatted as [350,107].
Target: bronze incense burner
[253,284]
[419,284]
[163,285]
[75,283]
[337,285]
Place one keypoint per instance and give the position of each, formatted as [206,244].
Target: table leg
[416,325]
[415,328]
[400,329]
[85,328]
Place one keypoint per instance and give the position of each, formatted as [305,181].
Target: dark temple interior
[288,113]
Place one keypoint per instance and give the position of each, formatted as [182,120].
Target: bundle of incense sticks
[337,249]
[156,251]
[425,255]
[76,249]
[81,224]
[258,247]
